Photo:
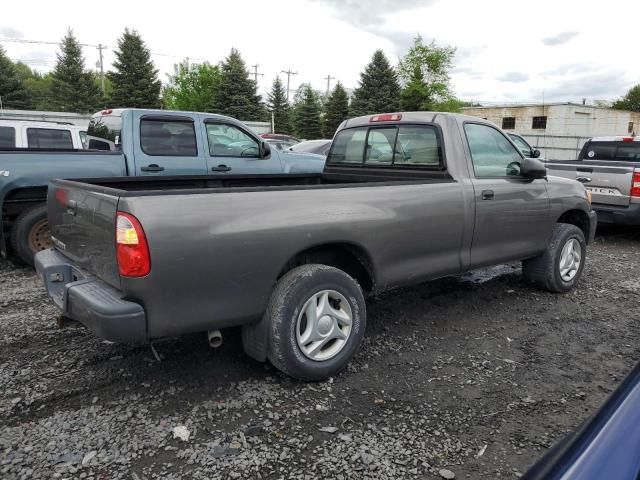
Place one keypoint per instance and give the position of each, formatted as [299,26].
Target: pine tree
[135,78]
[237,96]
[306,113]
[336,109]
[12,91]
[415,95]
[279,107]
[378,91]
[73,88]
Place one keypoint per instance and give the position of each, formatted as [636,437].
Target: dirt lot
[447,368]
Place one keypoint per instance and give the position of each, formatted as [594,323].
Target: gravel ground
[477,376]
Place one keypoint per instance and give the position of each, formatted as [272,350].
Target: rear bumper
[621,215]
[89,300]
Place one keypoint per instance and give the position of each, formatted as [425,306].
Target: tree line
[420,81]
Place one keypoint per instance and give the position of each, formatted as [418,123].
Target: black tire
[544,270]
[28,223]
[292,291]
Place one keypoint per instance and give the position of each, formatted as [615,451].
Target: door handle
[152,168]
[221,168]
[583,179]
[487,195]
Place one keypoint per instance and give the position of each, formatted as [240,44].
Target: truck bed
[142,186]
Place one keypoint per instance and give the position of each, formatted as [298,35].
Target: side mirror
[535,153]
[265,150]
[533,168]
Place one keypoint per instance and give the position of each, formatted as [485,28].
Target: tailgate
[82,220]
[609,184]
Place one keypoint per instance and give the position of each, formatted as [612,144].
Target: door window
[230,141]
[49,138]
[168,138]
[491,153]
[7,137]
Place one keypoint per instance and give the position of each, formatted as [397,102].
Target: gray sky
[507,51]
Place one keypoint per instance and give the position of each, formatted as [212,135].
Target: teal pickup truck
[131,142]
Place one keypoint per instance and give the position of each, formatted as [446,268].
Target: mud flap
[255,339]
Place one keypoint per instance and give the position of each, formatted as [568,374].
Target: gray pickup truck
[404,198]
[609,167]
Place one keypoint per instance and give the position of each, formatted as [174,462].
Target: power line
[98,46]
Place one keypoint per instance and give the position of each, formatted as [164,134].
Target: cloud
[370,16]
[572,68]
[559,39]
[514,77]
[600,86]
[9,32]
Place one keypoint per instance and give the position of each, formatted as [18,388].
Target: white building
[559,130]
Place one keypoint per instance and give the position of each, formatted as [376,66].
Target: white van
[38,134]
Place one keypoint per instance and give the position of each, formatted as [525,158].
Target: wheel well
[577,218]
[347,257]
[20,199]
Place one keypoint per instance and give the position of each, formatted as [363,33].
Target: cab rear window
[613,151]
[403,146]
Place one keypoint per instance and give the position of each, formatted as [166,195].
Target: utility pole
[289,73]
[100,47]
[255,73]
[1,110]
[328,78]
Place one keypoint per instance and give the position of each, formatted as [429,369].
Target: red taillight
[132,249]
[106,112]
[635,184]
[386,117]
[62,196]
[627,139]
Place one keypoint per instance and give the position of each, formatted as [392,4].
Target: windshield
[105,129]
[522,145]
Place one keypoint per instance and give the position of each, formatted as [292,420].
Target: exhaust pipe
[215,338]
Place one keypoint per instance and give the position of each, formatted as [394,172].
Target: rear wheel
[316,318]
[560,267]
[30,233]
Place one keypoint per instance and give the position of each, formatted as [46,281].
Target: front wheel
[560,267]
[30,233]
[316,318]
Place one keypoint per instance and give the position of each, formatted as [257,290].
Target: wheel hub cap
[324,325]
[570,260]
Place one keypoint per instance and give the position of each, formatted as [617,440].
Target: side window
[348,146]
[492,154]
[380,143]
[7,137]
[230,141]
[417,146]
[49,138]
[168,138]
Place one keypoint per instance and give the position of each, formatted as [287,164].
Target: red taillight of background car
[635,184]
[132,250]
